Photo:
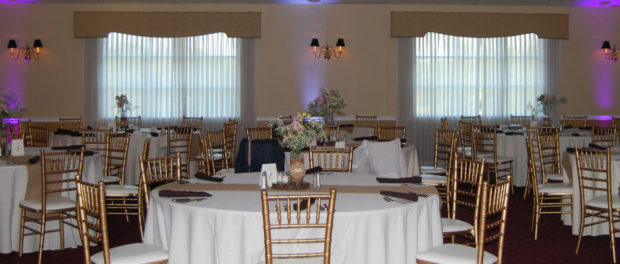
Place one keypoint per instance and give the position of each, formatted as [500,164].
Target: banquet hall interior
[162,121]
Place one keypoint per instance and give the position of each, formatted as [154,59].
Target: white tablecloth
[571,175]
[13,184]
[227,228]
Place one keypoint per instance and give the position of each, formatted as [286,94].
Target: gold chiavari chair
[444,148]
[71,123]
[575,121]
[466,134]
[463,191]
[125,200]
[365,121]
[387,133]
[549,198]
[115,159]
[332,131]
[548,140]
[441,182]
[286,119]
[297,217]
[136,121]
[195,122]
[23,133]
[604,136]
[474,120]
[492,225]
[59,171]
[255,133]
[332,159]
[230,128]
[444,123]
[217,140]
[93,225]
[485,146]
[39,136]
[158,171]
[179,140]
[95,139]
[205,166]
[522,120]
[601,203]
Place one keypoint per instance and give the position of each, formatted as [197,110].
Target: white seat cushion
[52,203]
[600,201]
[434,179]
[455,254]
[558,188]
[554,177]
[108,179]
[450,225]
[433,170]
[132,253]
[120,189]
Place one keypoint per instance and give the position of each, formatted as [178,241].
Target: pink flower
[297,126]
[319,100]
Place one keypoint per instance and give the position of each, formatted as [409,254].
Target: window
[170,77]
[492,77]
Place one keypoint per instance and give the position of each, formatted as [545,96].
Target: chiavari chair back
[71,123]
[365,121]
[93,225]
[39,136]
[463,191]
[179,140]
[205,155]
[95,139]
[22,133]
[332,159]
[332,131]
[218,159]
[466,134]
[445,146]
[195,122]
[387,133]
[59,171]
[548,141]
[286,119]
[442,181]
[159,171]
[444,123]
[290,214]
[485,146]
[598,197]
[115,160]
[474,120]
[230,128]
[256,133]
[532,134]
[575,121]
[604,136]
[136,121]
[522,120]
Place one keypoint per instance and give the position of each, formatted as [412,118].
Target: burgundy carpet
[555,243]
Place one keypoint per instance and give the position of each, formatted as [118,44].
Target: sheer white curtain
[165,78]
[441,75]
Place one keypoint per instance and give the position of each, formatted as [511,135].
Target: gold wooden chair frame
[551,148]
[93,225]
[392,132]
[365,121]
[23,132]
[474,120]
[115,159]
[230,128]
[136,121]
[604,136]
[55,186]
[96,139]
[195,122]
[332,159]
[332,131]
[256,133]
[205,162]
[286,119]
[594,171]
[158,171]
[217,140]
[466,138]
[523,120]
[444,123]
[39,136]
[444,148]
[287,204]
[71,123]
[485,146]
[179,140]
[575,121]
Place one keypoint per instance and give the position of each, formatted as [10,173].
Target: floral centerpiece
[122,105]
[544,104]
[328,104]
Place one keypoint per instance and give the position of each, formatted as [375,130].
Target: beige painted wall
[287,76]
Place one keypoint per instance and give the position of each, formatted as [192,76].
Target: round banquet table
[228,227]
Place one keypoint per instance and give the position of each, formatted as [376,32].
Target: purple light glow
[598,3]
[600,117]
[604,83]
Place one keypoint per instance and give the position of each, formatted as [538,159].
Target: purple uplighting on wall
[600,117]
[598,3]
[604,82]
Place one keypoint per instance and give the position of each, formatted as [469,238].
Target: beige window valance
[417,24]
[167,24]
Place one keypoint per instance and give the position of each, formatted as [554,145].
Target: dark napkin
[366,138]
[499,131]
[568,127]
[72,147]
[576,134]
[595,146]
[313,170]
[89,128]
[585,128]
[414,179]
[303,204]
[154,134]
[508,133]
[345,125]
[88,153]
[173,193]
[570,150]
[206,177]
[405,196]
[34,159]
[68,132]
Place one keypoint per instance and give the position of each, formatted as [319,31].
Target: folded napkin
[345,125]
[585,128]
[173,193]
[313,170]
[303,204]
[206,177]
[68,132]
[154,134]
[34,159]
[570,150]
[595,146]
[89,128]
[366,138]
[576,134]
[513,133]
[414,179]
[499,131]
[88,153]
[405,196]
[71,147]
[568,127]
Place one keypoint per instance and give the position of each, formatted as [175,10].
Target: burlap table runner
[325,188]
[33,189]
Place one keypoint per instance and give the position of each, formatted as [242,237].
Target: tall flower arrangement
[10,106]
[328,104]
[122,105]
[544,104]
[300,133]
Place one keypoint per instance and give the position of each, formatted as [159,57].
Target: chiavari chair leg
[612,233]
[21,231]
[527,185]
[580,231]
[537,216]
[62,231]
[42,236]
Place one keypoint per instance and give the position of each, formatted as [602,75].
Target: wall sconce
[326,51]
[610,54]
[29,52]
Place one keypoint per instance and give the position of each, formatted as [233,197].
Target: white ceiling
[451,2]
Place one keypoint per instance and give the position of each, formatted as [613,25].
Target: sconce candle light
[29,52]
[326,51]
[611,54]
